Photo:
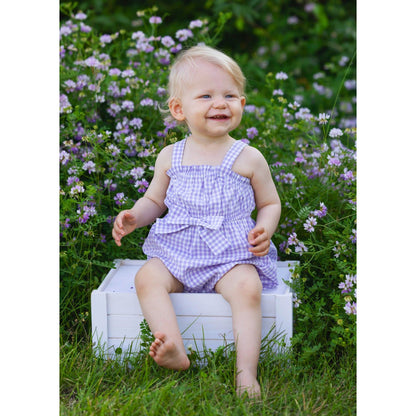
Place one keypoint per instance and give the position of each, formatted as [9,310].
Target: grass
[137,386]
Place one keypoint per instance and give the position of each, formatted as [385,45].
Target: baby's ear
[175,107]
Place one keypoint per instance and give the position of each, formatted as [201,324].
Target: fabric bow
[209,229]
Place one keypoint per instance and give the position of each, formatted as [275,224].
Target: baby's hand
[260,241]
[124,224]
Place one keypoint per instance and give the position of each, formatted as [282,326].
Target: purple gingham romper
[204,234]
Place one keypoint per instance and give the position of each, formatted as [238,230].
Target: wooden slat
[120,326]
[99,319]
[186,304]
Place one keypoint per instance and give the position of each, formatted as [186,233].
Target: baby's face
[211,103]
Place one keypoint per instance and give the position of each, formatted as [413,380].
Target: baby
[207,242]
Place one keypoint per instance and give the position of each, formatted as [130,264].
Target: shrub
[112,86]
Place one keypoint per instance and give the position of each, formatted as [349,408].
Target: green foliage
[92,385]
[112,130]
[299,37]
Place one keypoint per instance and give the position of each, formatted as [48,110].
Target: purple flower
[143,45]
[287,178]
[90,210]
[161,91]
[293,239]
[281,75]
[64,104]
[184,34]
[353,237]
[156,20]
[114,71]
[71,180]
[128,73]
[108,183]
[138,35]
[77,189]
[309,224]
[176,48]
[252,132]
[300,158]
[322,210]
[292,20]
[128,106]
[146,102]
[296,301]
[350,308]
[351,278]
[303,114]
[113,149]
[167,41]
[80,16]
[106,39]
[64,157]
[301,248]
[141,185]
[66,224]
[70,85]
[345,286]
[350,84]
[347,176]
[83,218]
[196,23]
[130,140]
[136,123]
[65,31]
[85,28]
[333,161]
[323,118]
[335,133]
[114,109]
[89,166]
[120,199]
[92,62]
[137,173]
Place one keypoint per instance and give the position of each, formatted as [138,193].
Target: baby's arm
[151,205]
[267,203]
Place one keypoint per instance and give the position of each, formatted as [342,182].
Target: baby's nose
[219,102]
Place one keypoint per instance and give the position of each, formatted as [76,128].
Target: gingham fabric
[204,234]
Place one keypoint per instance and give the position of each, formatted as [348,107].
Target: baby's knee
[155,276]
[141,280]
[250,289]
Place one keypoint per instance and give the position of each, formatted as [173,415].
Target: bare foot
[167,354]
[246,383]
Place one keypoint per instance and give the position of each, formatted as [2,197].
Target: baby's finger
[259,251]
[117,228]
[258,239]
[117,237]
[252,235]
[262,248]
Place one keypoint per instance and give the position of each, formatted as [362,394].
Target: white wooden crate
[204,318]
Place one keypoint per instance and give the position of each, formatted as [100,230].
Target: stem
[337,96]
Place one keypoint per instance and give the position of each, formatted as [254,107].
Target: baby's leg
[242,288]
[153,283]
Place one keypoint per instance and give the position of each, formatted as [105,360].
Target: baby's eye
[230,96]
[205,96]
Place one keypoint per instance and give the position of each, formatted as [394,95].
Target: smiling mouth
[219,117]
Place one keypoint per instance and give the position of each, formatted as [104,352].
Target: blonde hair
[187,57]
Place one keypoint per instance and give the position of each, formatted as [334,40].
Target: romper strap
[233,153]
[178,153]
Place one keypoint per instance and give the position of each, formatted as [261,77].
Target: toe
[160,336]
